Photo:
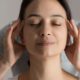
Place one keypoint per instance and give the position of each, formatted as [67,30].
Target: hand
[73,50]
[12,49]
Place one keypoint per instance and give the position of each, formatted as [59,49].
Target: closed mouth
[45,43]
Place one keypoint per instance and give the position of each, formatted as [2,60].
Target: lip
[45,43]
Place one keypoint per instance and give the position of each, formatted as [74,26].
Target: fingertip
[72,20]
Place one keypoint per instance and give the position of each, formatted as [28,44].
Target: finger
[8,52]
[75,29]
[70,28]
[7,38]
[13,26]
[14,32]
[12,52]
[78,44]
[77,52]
[17,31]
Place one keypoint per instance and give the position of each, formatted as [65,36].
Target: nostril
[44,34]
[48,34]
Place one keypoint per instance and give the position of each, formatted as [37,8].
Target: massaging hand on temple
[13,50]
[73,50]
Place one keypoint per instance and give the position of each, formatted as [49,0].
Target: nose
[43,35]
[45,31]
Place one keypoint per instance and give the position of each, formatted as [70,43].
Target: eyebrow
[57,15]
[37,15]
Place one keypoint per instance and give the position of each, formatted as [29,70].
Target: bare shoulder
[72,78]
[25,76]
[69,76]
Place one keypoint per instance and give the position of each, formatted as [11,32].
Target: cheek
[61,37]
[29,37]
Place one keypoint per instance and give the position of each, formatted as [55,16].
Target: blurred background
[75,8]
[9,10]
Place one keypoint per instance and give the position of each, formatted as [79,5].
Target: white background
[9,10]
[75,8]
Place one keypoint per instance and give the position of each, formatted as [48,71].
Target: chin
[46,54]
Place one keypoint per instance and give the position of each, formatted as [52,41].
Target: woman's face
[45,30]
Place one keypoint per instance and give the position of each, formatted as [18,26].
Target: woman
[44,28]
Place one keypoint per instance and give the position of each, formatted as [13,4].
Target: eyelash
[55,24]
[35,25]
[32,24]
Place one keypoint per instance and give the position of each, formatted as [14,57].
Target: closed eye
[54,23]
[35,24]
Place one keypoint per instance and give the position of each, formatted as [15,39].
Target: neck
[45,69]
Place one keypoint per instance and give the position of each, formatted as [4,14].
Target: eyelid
[36,19]
[32,24]
[33,17]
[37,22]
[56,23]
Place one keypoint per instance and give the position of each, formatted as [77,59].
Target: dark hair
[66,7]
[25,4]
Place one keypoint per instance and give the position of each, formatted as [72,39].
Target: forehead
[45,8]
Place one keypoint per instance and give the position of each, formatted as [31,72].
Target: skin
[44,56]
[12,49]
[47,32]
